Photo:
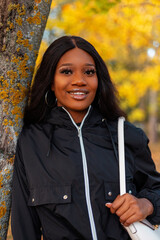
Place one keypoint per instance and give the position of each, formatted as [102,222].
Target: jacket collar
[60,117]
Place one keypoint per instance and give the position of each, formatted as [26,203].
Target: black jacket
[63,177]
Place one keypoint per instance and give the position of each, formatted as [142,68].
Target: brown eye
[66,71]
[90,72]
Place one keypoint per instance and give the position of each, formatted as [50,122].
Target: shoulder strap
[121,153]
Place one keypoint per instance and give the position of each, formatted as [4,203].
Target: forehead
[76,56]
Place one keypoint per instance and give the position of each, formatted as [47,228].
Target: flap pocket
[49,194]
[112,190]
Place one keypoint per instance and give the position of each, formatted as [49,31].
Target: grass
[155,149]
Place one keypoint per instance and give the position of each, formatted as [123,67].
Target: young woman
[66,182]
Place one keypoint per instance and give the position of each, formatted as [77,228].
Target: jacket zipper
[85,173]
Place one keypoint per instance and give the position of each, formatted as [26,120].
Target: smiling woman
[75,82]
[91,65]
[66,183]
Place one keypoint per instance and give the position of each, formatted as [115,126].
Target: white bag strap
[121,153]
[132,229]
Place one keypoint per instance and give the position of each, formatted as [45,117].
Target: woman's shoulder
[34,131]
[133,135]
[130,128]
[30,129]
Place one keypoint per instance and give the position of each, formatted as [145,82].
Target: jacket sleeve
[147,179]
[25,223]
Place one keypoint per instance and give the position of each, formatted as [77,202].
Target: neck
[77,116]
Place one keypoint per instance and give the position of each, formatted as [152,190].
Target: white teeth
[77,93]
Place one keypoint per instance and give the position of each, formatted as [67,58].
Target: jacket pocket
[49,195]
[112,190]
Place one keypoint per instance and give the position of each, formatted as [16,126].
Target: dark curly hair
[106,101]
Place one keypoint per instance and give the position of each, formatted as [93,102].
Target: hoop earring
[46,100]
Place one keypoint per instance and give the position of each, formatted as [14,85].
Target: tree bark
[21,28]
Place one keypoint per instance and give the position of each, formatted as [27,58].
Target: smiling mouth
[78,94]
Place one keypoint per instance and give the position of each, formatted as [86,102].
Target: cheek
[59,89]
[57,85]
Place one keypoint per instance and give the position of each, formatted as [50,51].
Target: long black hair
[106,101]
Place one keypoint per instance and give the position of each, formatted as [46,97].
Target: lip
[78,94]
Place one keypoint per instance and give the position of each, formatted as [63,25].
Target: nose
[79,79]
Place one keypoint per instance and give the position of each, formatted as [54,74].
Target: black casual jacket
[64,174]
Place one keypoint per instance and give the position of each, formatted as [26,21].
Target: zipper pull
[79,131]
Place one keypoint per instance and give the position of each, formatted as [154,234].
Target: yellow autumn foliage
[122,35]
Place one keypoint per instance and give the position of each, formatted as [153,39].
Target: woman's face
[75,82]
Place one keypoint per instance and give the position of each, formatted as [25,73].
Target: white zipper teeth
[85,172]
[87,191]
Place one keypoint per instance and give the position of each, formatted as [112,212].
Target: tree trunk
[21,28]
[152,120]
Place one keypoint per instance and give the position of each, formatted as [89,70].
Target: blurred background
[126,34]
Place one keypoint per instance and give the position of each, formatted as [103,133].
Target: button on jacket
[64,174]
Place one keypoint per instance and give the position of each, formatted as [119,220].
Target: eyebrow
[70,64]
